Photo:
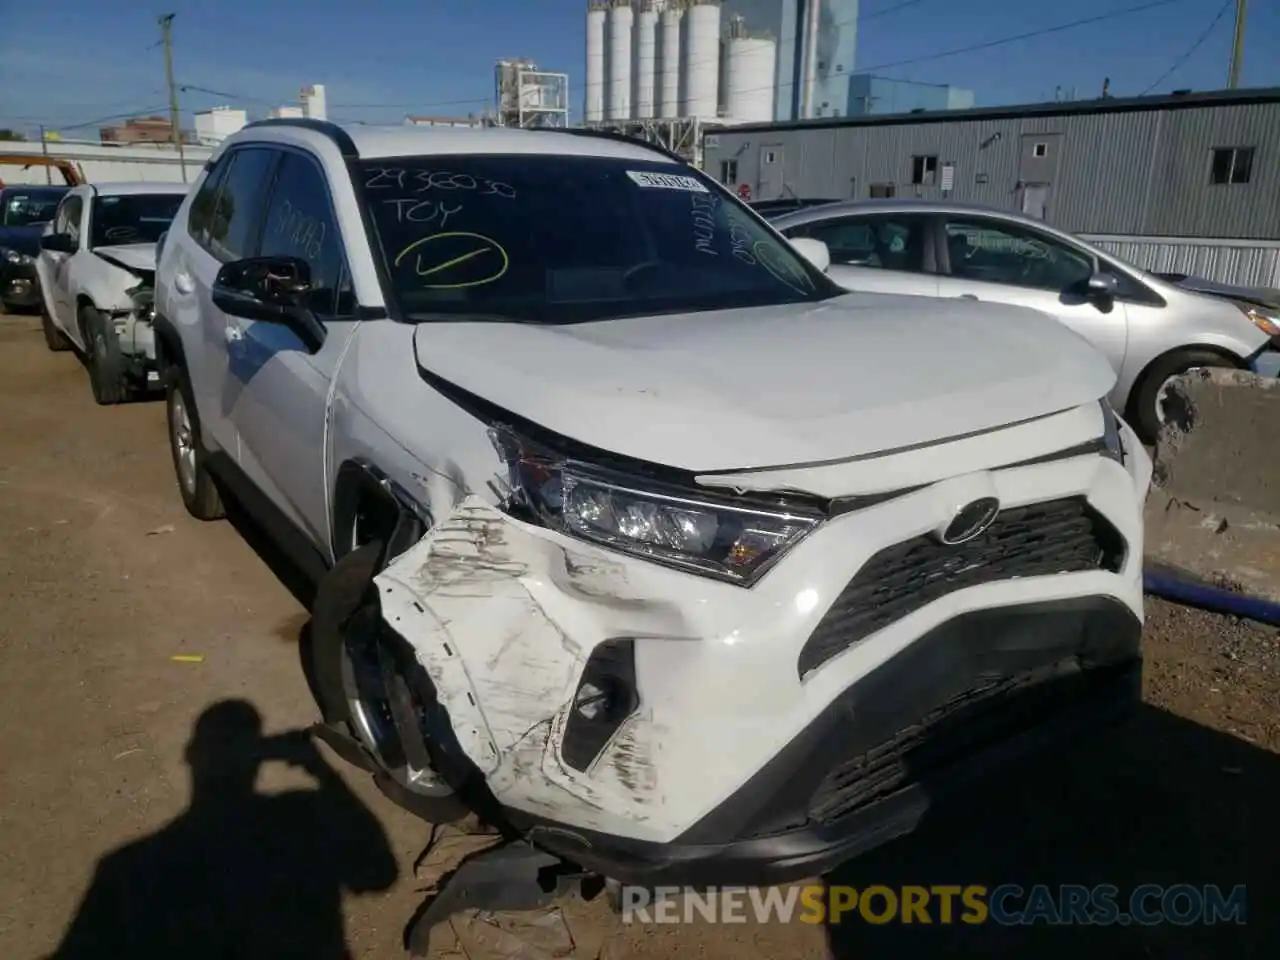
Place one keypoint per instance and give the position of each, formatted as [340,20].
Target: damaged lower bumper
[656,726]
[895,745]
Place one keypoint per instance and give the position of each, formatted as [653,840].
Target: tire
[54,339]
[1144,408]
[345,609]
[190,467]
[103,358]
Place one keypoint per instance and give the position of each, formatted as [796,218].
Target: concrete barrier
[1214,508]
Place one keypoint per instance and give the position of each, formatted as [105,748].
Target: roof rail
[346,146]
[620,138]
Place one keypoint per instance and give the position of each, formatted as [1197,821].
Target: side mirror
[1103,285]
[58,242]
[270,290]
[815,251]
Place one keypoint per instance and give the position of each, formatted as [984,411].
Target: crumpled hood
[132,256]
[773,386]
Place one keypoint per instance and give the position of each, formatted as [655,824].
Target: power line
[114,116]
[1190,50]
[191,88]
[1029,35]
[876,14]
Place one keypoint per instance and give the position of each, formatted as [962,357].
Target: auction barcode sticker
[667,181]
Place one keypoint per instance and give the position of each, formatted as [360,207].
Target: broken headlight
[701,535]
[16,257]
[1268,321]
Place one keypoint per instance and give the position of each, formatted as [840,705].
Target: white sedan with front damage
[97,269]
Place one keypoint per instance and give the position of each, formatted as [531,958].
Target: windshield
[27,207]
[566,239]
[132,218]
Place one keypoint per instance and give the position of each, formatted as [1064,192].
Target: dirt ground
[104,580]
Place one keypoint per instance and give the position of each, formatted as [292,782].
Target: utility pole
[1237,48]
[175,119]
[44,150]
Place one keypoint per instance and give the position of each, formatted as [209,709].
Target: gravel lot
[104,580]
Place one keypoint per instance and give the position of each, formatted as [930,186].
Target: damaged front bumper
[135,334]
[658,726]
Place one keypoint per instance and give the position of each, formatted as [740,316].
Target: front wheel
[1149,406]
[103,358]
[195,482]
[370,688]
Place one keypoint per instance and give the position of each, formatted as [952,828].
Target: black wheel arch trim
[169,349]
[406,520]
[1142,378]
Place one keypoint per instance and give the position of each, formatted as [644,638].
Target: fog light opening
[603,700]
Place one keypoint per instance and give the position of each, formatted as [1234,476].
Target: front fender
[106,286]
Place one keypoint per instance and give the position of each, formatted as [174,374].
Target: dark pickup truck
[24,211]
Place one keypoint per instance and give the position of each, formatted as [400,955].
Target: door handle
[233,334]
[966,296]
[183,283]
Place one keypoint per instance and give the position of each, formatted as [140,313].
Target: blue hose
[1183,589]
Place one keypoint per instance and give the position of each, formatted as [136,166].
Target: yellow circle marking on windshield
[485,245]
[765,250]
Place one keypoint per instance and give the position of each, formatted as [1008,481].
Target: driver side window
[68,218]
[1003,253]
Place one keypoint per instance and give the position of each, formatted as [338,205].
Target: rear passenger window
[236,214]
[300,223]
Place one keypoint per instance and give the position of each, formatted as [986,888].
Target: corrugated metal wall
[1139,173]
[1247,264]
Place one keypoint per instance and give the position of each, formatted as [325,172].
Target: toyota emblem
[970,521]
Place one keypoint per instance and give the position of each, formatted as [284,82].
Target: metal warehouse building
[1188,182]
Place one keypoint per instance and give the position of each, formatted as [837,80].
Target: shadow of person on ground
[1161,801]
[238,874]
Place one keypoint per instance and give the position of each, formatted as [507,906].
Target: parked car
[24,210]
[770,209]
[629,526]
[97,276]
[1149,329]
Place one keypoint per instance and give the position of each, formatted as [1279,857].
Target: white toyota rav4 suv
[633,531]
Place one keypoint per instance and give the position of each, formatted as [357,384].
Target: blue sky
[75,61]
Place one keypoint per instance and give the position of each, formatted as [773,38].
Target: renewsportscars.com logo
[1007,905]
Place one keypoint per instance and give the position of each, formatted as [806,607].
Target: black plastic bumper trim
[762,835]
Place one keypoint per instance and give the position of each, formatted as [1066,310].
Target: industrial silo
[646,55]
[701,59]
[669,66]
[594,106]
[618,91]
[749,72]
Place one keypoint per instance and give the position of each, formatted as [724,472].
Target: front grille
[1060,536]
[982,718]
